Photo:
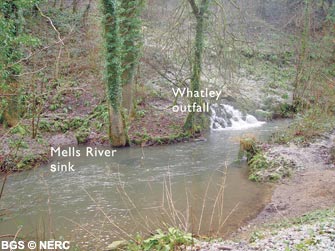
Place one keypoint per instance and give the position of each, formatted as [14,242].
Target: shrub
[173,239]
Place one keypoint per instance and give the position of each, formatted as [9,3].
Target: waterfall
[226,117]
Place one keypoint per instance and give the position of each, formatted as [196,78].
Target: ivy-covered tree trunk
[196,121]
[113,72]
[131,32]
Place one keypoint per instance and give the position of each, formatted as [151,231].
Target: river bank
[153,124]
[301,213]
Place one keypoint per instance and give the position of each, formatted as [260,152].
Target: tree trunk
[86,12]
[74,6]
[11,113]
[131,30]
[117,133]
[196,121]
[61,6]
[113,70]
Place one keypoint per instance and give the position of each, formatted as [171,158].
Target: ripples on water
[86,205]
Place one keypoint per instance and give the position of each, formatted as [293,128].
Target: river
[186,185]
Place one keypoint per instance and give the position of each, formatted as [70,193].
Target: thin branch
[52,24]
[30,73]
[195,8]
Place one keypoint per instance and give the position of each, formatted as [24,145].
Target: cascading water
[226,117]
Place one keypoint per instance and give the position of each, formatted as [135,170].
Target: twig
[52,24]
[33,72]
[7,236]
[228,216]
[108,218]
[3,185]
[204,204]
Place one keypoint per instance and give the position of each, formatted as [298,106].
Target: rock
[200,139]
[251,119]
[68,139]
[116,245]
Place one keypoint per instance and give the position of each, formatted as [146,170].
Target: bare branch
[194,6]
[51,23]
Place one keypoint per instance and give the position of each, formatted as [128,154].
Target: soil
[311,187]
[306,191]
[157,122]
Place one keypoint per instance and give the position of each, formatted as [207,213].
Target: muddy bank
[312,185]
[153,124]
[301,213]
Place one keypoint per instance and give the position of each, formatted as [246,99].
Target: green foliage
[140,113]
[162,241]
[256,235]
[19,129]
[122,28]
[306,126]
[285,110]
[17,144]
[256,163]
[196,122]
[14,40]
[309,218]
[248,147]
[331,14]
[81,134]
[130,28]
[64,125]
[113,47]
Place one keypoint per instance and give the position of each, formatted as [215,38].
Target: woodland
[109,73]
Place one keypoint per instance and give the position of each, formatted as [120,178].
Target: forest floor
[154,124]
[301,213]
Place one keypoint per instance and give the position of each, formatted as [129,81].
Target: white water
[226,117]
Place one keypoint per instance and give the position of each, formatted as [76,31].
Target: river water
[186,185]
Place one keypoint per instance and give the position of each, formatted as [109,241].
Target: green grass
[309,218]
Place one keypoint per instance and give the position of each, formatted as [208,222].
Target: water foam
[226,117]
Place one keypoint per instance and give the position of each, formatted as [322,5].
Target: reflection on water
[137,190]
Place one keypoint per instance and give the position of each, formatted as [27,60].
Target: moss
[262,169]
[10,163]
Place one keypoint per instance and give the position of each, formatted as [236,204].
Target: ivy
[122,26]
[113,46]
[13,41]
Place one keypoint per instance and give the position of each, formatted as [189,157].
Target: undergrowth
[262,168]
[172,239]
[306,127]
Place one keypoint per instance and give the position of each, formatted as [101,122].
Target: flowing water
[226,117]
[137,190]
